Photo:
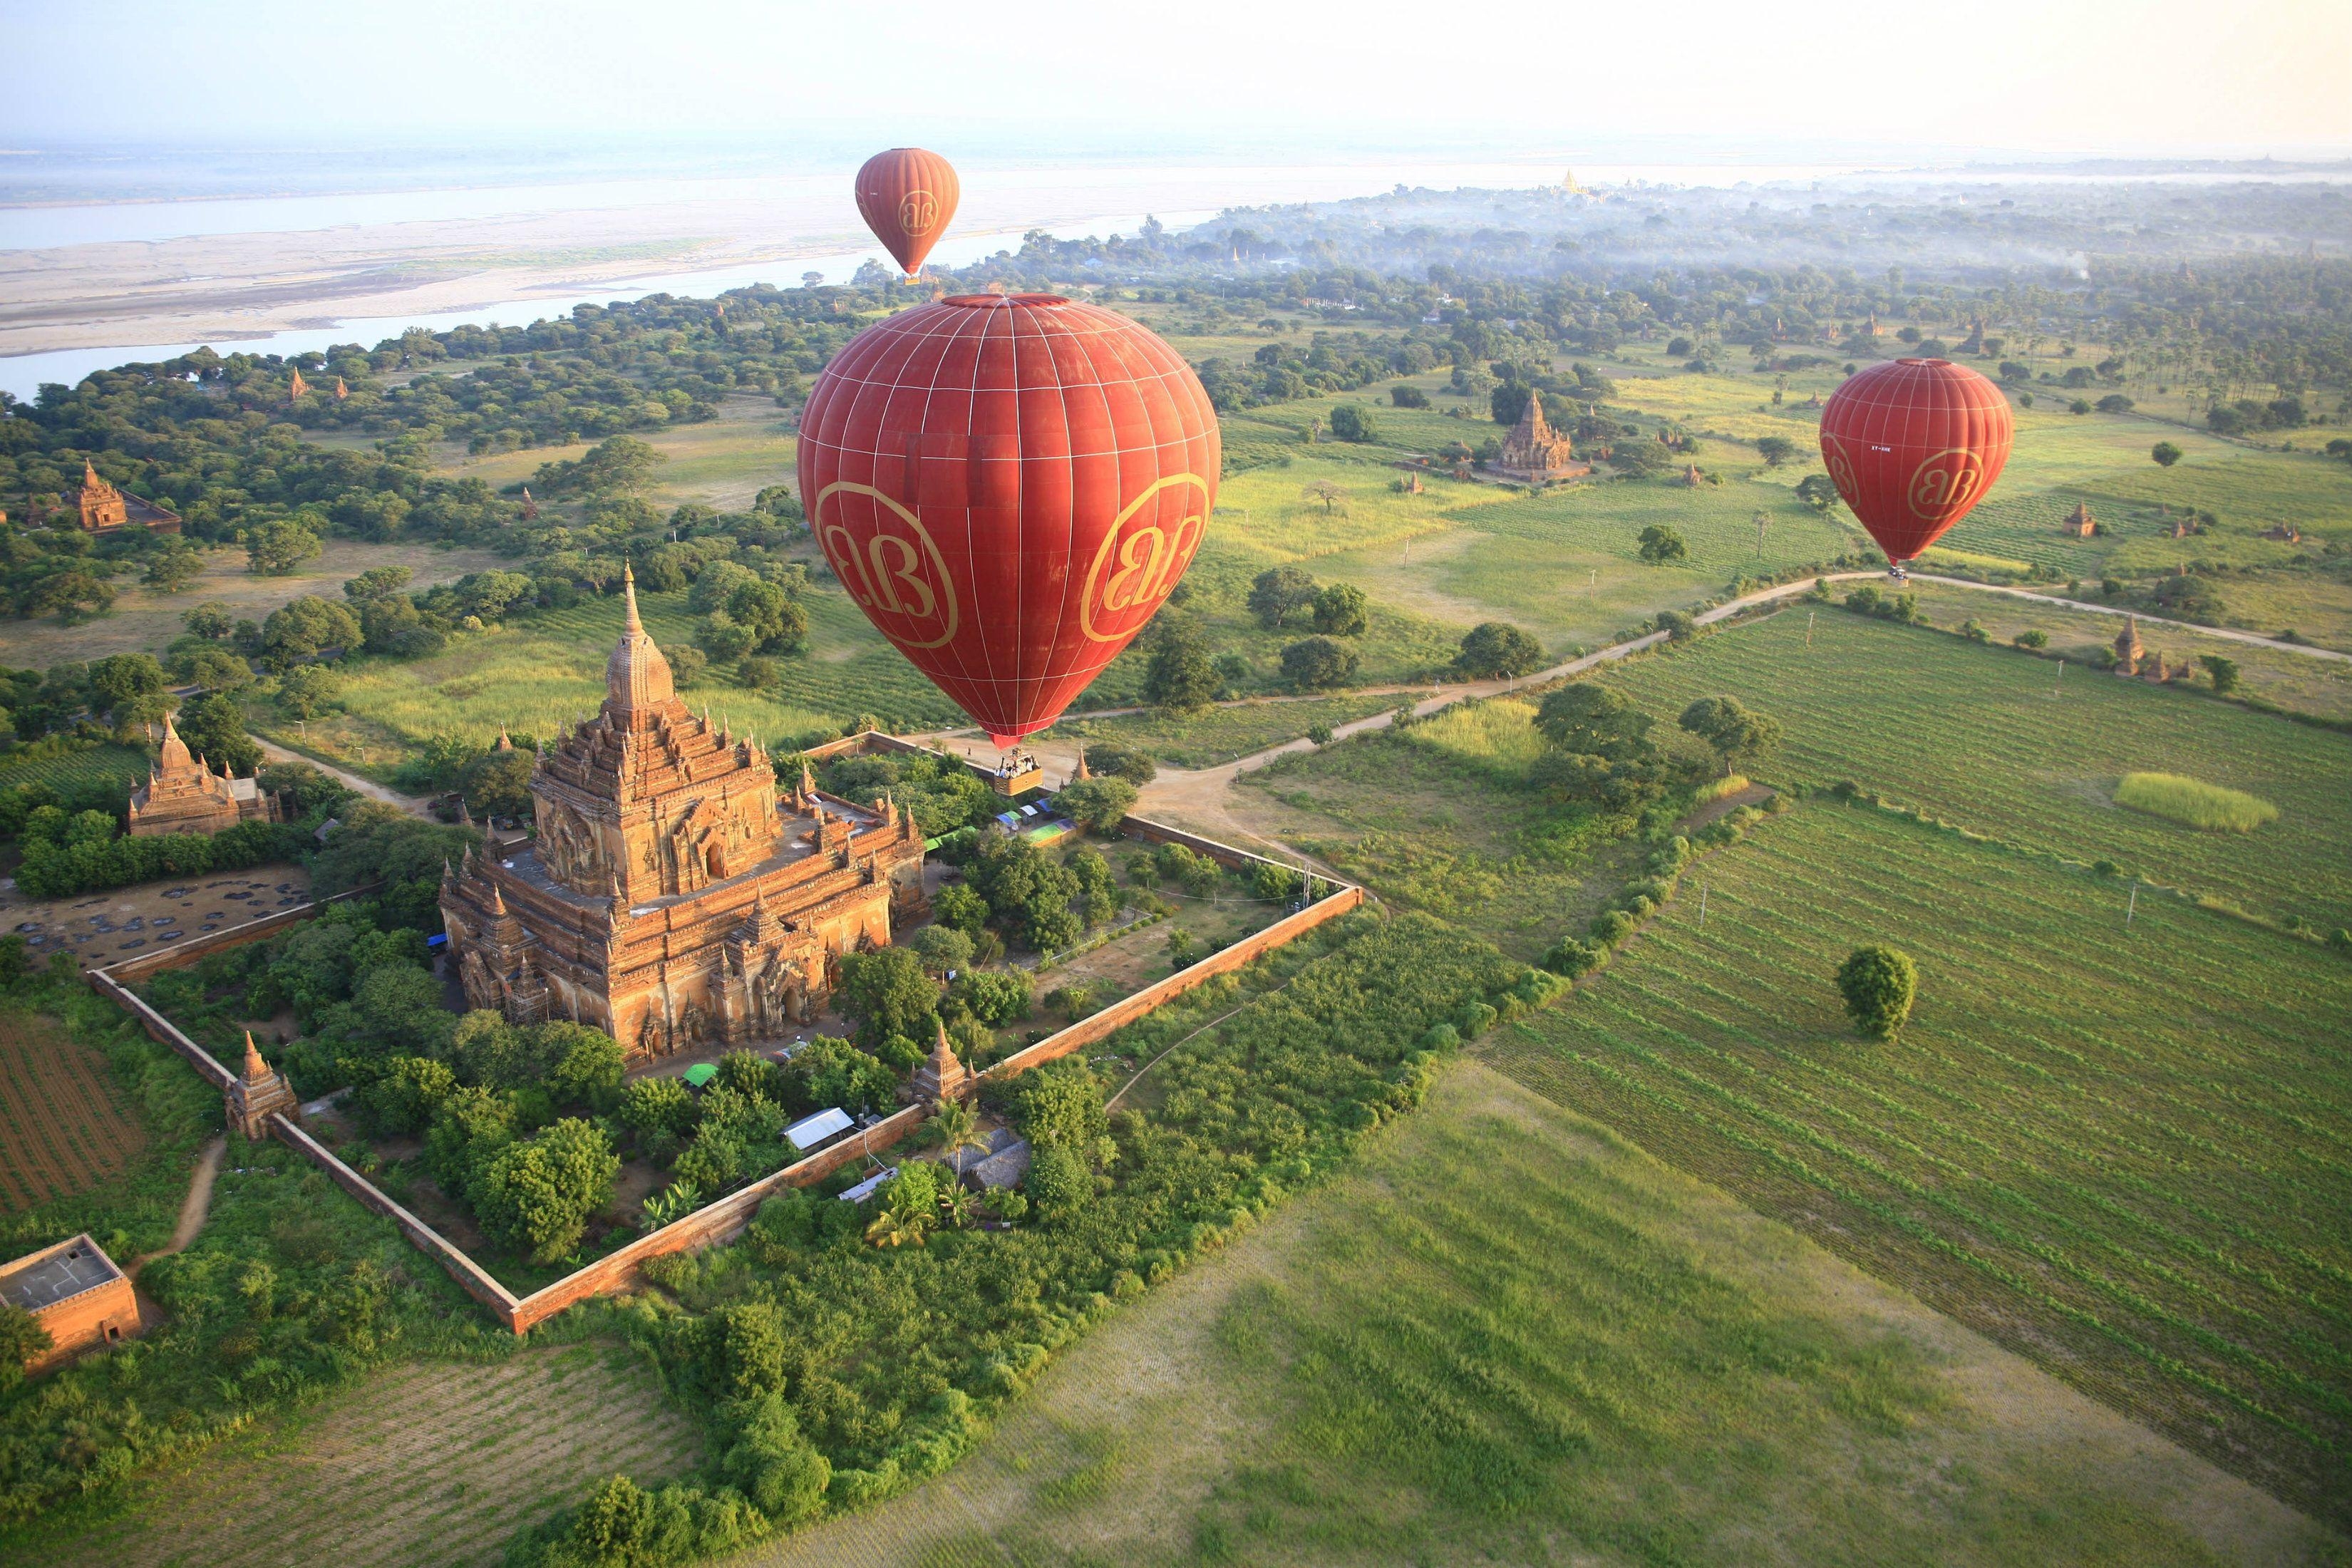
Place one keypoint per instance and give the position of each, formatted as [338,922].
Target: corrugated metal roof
[807,1134]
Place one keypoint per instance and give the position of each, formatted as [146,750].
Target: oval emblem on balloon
[918,210]
[1841,468]
[888,563]
[1147,550]
[1944,482]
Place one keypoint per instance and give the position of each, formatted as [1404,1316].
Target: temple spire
[175,750]
[636,677]
[256,1070]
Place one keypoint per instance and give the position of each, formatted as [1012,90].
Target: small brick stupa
[2129,650]
[940,1078]
[259,1091]
[104,508]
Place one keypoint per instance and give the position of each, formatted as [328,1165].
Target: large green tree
[1732,728]
[536,1196]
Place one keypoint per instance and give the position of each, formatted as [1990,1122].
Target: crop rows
[1975,735]
[120,765]
[2123,1152]
[434,1464]
[62,1131]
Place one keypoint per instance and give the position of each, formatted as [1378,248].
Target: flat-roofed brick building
[74,1291]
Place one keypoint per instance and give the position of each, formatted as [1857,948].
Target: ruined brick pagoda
[671,898]
[104,509]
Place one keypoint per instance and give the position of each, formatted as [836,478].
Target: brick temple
[672,897]
[105,508]
[1536,452]
[182,795]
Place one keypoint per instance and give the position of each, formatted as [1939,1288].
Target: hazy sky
[2046,75]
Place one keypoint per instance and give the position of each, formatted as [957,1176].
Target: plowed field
[63,1126]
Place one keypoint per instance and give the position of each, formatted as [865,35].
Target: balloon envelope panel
[907,198]
[1009,487]
[1912,444]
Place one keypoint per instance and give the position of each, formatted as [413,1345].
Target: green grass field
[2194,803]
[1428,828]
[1986,737]
[1508,1336]
[117,766]
[432,1462]
[2293,680]
[2119,1151]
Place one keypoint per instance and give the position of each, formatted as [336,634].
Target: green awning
[699,1074]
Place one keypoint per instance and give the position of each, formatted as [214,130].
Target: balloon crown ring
[983,302]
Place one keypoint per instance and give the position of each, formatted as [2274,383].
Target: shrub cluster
[835,1373]
[1658,877]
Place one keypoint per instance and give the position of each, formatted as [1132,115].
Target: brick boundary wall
[184,954]
[472,1276]
[1120,1014]
[726,1217]
[208,1066]
[719,1220]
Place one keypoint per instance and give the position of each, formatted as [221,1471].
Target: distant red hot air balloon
[1912,444]
[908,198]
[1009,486]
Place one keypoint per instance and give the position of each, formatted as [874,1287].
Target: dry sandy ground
[123,922]
[220,287]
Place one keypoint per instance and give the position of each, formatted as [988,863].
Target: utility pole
[2132,907]
[1702,906]
[2059,690]
[1760,520]
[1809,626]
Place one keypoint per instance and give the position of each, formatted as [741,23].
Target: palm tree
[893,1228]
[957,1127]
[958,1207]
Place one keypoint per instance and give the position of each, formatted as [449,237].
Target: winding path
[193,1207]
[1198,798]
[350,781]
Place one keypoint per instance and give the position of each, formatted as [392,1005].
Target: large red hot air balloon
[1009,486]
[908,198]
[1912,444]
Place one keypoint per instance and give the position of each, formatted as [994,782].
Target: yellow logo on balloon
[1944,483]
[897,571]
[918,210]
[1138,563]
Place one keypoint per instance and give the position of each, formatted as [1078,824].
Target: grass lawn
[1508,1336]
[2307,685]
[722,462]
[1426,830]
[1975,736]
[2118,1151]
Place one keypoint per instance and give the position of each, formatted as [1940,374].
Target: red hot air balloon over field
[1912,444]
[907,198]
[1009,486]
